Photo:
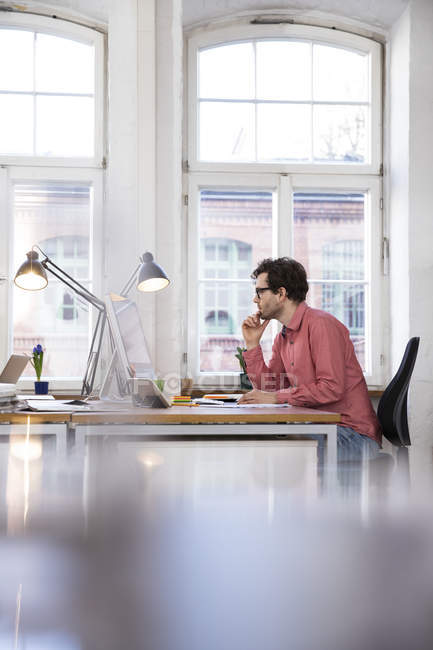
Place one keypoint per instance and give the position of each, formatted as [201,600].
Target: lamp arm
[126,289]
[78,288]
[81,291]
[94,354]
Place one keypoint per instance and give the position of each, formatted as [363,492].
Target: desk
[200,420]
[208,421]
[55,424]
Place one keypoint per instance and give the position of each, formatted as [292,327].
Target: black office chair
[392,408]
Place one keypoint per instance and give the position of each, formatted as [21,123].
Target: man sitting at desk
[313,360]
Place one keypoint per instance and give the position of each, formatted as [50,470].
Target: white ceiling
[377,13]
[95,10]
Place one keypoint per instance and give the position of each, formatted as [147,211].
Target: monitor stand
[112,373]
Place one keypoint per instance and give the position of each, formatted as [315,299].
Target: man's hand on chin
[258,397]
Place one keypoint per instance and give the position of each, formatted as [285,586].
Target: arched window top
[284,95]
[51,90]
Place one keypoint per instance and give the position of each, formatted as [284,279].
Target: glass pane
[283,70]
[57,217]
[70,252]
[65,126]
[226,131]
[238,227]
[16,47]
[347,303]
[227,72]
[328,235]
[339,75]
[340,133]
[16,124]
[64,66]
[283,132]
[220,324]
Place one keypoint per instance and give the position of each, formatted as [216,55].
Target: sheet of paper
[240,406]
[262,406]
[229,397]
[57,406]
[35,397]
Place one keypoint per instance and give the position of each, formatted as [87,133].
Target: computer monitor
[131,351]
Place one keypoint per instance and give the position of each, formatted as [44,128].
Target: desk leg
[331,444]
[70,436]
[61,443]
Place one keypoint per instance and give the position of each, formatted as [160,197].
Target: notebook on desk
[14,368]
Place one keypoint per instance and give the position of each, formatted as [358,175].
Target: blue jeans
[353,446]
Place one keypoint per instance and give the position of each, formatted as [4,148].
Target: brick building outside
[237,230]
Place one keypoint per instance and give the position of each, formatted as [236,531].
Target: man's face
[268,303]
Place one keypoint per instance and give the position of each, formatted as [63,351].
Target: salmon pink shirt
[314,365]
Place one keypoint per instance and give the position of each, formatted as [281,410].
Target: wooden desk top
[21,417]
[206,415]
[175,415]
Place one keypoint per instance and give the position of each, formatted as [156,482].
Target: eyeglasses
[260,290]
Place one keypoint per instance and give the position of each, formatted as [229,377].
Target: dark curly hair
[284,272]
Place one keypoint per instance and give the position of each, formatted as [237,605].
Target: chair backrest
[392,409]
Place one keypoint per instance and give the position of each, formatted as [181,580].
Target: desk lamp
[32,276]
[149,276]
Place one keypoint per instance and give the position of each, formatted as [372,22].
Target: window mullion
[312,104]
[284,221]
[255,101]
[34,94]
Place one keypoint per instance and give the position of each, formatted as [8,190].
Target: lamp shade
[151,277]
[31,275]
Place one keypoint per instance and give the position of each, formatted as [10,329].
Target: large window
[51,99]
[317,110]
[284,158]
[289,95]
[51,150]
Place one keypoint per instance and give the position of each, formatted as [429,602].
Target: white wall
[121,219]
[411,205]
[143,210]
[421,214]
[169,46]
[397,177]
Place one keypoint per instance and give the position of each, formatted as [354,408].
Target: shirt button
[292,363]
[291,342]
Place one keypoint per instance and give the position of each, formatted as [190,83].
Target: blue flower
[35,350]
[39,348]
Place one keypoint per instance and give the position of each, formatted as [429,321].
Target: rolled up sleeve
[265,377]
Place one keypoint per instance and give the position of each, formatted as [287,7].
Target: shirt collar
[296,320]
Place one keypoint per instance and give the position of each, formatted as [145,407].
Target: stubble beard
[269,314]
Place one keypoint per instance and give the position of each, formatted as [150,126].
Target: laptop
[14,368]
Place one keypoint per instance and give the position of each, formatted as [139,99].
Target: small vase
[245,381]
[41,388]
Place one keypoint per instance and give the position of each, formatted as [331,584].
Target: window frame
[237,34]
[72,31]
[284,179]
[8,179]
[283,186]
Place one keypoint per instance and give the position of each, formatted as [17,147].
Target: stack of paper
[55,405]
[181,399]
